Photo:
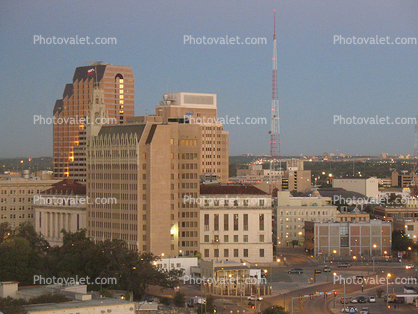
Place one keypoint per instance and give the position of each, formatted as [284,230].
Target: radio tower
[275,153]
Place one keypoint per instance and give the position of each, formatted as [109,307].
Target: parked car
[354,300]
[365,310]
[361,299]
[295,271]
[372,299]
[344,265]
[347,300]
[326,269]
[253,297]
[317,271]
[348,308]
[409,266]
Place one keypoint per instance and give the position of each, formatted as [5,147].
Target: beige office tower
[117,83]
[148,167]
[201,109]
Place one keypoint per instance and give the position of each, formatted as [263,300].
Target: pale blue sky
[317,79]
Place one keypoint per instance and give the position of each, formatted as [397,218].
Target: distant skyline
[318,79]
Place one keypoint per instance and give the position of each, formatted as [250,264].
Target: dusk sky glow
[317,78]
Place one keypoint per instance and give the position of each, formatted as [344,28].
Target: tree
[179,299]
[16,260]
[209,307]
[5,231]
[12,306]
[400,242]
[275,310]
[35,239]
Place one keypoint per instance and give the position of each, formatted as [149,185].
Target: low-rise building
[364,238]
[16,198]
[366,186]
[233,278]
[62,207]
[235,223]
[292,212]
[178,263]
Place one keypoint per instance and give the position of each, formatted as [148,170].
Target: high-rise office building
[149,167]
[201,109]
[70,112]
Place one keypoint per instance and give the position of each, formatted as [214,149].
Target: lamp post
[333,285]
[387,292]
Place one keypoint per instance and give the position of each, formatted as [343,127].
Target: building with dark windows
[235,223]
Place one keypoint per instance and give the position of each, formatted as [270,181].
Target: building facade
[201,109]
[235,224]
[365,238]
[117,82]
[149,167]
[62,207]
[366,186]
[17,197]
[292,212]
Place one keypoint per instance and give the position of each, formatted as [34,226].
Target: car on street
[347,300]
[354,300]
[409,266]
[372,299]
[253,297]
[326,269]
[295,271]
[344,265]
[362,299]
[365,310]
[348,309]
[317,271]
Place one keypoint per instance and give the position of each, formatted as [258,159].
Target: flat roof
[77,304]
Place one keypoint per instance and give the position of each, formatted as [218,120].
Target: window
[235,202]
[262,203]
[235,222]
[245,252]
[206,223]
[226,202]
[245,238]
[245,222]
[226,253]
[261,237]
[261,252]
[206,252]
[245,202]
[226,238]
[261,222]
[216,222]
[235,252]
[226,222]
[206,238]
[235,238]
[216,252]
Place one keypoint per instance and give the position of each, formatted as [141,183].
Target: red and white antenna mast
[275,153]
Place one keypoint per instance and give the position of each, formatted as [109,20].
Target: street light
[333,286]
[387,291]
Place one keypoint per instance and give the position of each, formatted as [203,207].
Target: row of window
[20,192]
[235,222]
[226,202]
[235,253]
[216,238]
[13,216]
[4,208]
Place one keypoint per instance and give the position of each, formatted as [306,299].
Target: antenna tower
[275,153]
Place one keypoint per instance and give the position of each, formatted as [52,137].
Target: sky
[319,80]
